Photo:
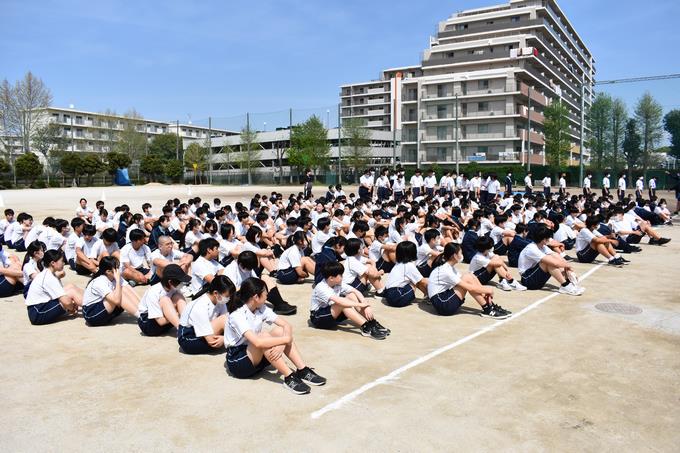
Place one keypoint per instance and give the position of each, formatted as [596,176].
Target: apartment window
[489,22]
[441,111]
[441,154]
[483,106]
[514,19]
[483,84]
[478,51]
[67,118]
[482,128]
[441,91]
[79,132]
[450,54]
[483,149]
[461,26]
[441,132]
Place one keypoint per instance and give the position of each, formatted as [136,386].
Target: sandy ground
[561,376]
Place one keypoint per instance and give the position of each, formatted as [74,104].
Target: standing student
[334,301]
[652,187]
[485,266]
[404,277]
[250,349]
[547,183]
[446,288]
[590,243]
[10,274]
[639,187]
[508,183]
[586,185]
[537,263]
[563,185]
[293,266]
[621,191]
[606,185]
[430,182]
[416,184]
[47,299]
[32,265]
[162,304]
[308,181]
[528,184]
[201,326]
[105,297]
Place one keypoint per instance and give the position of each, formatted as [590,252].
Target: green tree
[557,139]
[91,165]
[28,166]
[165,145]
[48,137]
[309,145]
[174,170]
[671,123]
[250,151]
[70,163]
[130,140]
[618,129]
[116,160]
[631,147]
[358,139]
[600,123]
[152,166]
[195,158]
[648,115]
[4,166]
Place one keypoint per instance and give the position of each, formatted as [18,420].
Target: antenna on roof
[189,115]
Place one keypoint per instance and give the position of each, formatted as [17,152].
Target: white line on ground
[337,404]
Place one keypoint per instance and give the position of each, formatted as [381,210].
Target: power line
[638,79]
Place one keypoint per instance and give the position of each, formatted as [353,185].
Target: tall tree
[195,158]
[70,163]
[648,115]
[28,166]
[557,139]
[600,120]
[23,107]
[631,147]
[618,128]
[358,140]
[152,165]
[91,165]
[48,137]
[309,145]
[165,145]
[250,151]
[130,140]
[671,123]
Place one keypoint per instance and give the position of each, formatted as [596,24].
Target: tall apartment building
[473,88]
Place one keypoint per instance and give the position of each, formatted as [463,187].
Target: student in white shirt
[293,266]
[166,254]
[334,301]
[250,349]
[564,234]
[206,267]
[135,260]
[586,185]
[606,185]
[6,226]
[323,233]
[416,183]
[528,184]
[563,185]
[32,264]
[84,212]
[485,265]
[105,297]
[86,261]
[11,274]
[428,251]
[359,273]
[201,326]
[446,288]
[621,191]
[590,243]
[47,299]
[652,187]
[382,252]
[537,263]
[547,183]
[430,182]
[163,303]
[639,187]
[404,277]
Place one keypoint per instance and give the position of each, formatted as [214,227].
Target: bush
[174,170]
[152,166]
[116,160]
[28,166]
[39,184]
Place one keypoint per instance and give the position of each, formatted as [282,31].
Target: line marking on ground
[337,404]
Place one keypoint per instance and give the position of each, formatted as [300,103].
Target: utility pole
[529,131]
[455,130]
[177,140]
[210,154]
[583,118]
[290,140]
[339,144]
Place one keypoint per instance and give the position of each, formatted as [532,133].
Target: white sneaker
[571,290]
[517,286]
[504,285]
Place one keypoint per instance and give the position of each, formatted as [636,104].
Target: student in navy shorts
[106,297]
[163,303]
[404,277]
[10,274]
[293,266]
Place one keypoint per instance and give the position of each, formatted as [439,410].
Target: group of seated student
[213,272]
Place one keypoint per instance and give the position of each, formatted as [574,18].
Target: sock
[612,259]
[274,297]
[617,256]
[565,284]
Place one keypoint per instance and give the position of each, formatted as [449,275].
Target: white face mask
[180,286]
[221,300]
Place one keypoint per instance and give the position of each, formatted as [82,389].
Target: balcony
[436,60]
[536,117]
[535,138]
[483,27]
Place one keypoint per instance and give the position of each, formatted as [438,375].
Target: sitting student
[293,267]
[6,226]
[244,267]
[428,251]
[517,245]
[32,265]
[358,274]
[485,265]
[162,228]
[607,231]
[537,263]
[590,243]
[250,349]
[564,234]
[469,240]
[399,288]
[20,230]
[446,288]
[77,225]
[47,299]
[87,259]
[501,236]
[105,297]
[10,274]
[135,259]
[334,301]
[166,254]
[206,267]
[330,253]
[323,234]
[663,212]
[381,252]
[201,326]
[107,246]
[192,237]
[162,304]
[631,228]
[264,256]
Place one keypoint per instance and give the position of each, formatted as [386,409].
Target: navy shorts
[19,246]
[72,264]
[45,313]
[484,275]
[500,248]
[446,303]
[26,288]
[535,278]
[424,269]
[359,285]
[6,288]
[323,318]
[634,239]
[587,255]
[150,327]
[239,364]
[154,279]
[287,276]
[400,297]
[82,270]
[190,343]
[383,265]
[96,315]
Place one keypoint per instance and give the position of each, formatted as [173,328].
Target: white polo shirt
[87,247]
[150,303]
[322,293]
[44,288]
[354,268]
[97,290]
[480,261]
[441,279]
[136,258]
[236,275]
[200,313]
[402,275]
[174,255]
[530,256]
[291,258]
[242,320]
[416,181]
[584,238]
[200,269]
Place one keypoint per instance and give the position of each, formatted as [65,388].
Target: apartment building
[482,86]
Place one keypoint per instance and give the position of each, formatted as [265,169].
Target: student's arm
[347,303]
[285,325]
[13,272]
[261,342]
[555,260]
[116,296]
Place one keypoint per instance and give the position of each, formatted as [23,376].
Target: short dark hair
[353,246]
[137,235]
[542,233]
[431,234]
[483,244]
[110,235]
[332,269]
[203,246]
[248,260]
[406,252]
[89,230]
[322,223]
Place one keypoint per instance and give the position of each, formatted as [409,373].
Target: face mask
[180,286]
[438,242]
[222,300]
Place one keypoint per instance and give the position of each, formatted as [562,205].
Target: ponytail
[250,287]
[450,250]
[32,248]
[221,284]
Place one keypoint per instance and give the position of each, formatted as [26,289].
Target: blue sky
[173,59]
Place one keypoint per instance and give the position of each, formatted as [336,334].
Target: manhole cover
[619,309]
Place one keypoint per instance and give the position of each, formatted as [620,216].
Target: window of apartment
[461,26]
[482,128]
[489,22]
[483,106]
[67,118]
[478,52]
[483,149]
[483,84]
[441,154]
[514,19]
[441,91]
[79,132]
[441,132]
[441,111]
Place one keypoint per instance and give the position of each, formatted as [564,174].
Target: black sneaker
[663,241]
[635,249]
[495,311]
[310,377]
[284,308]
[293,383]
[380,327]
[616,262]
[370,330]
[624,261]
[653,241]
